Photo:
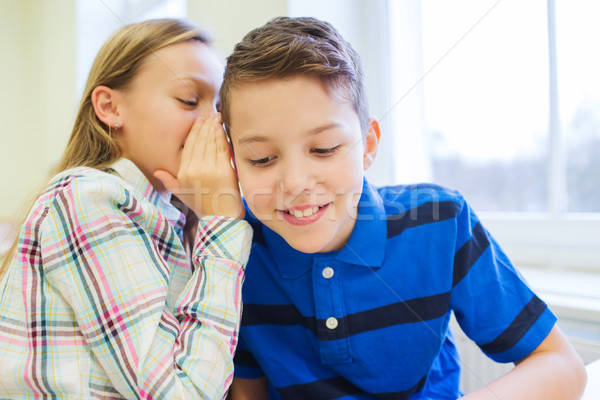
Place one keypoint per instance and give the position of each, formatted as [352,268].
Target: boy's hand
[206,181]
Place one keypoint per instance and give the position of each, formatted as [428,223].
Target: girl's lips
[305,215]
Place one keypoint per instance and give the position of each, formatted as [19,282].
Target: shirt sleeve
[492,302]
[113,261]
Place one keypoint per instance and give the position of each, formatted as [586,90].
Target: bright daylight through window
[488,102]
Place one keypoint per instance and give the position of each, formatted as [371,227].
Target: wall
[12,101]
[37,101]
[230,20]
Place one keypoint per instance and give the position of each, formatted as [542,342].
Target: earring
[116,125]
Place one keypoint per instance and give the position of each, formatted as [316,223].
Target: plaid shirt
[100,300]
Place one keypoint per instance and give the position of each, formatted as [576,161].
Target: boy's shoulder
[416,195]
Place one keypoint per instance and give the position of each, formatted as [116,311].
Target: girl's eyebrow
[192,82]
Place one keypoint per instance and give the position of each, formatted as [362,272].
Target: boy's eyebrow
[314,131]
[252,139]
[323,128]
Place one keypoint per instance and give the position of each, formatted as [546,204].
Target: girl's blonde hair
[120,58]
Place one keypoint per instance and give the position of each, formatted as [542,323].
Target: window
[486,107]
[506,97]
[511,103]
[579,105]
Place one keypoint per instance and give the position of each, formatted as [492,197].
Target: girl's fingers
[205,141]
[188,147]
[222,144]
[205,171]
[221,139]
[207,147]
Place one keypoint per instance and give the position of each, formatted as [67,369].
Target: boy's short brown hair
[286,47]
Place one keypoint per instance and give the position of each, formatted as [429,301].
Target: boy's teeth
[310,211]
[306,213]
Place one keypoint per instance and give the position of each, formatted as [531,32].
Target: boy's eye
[261,162]
[327,151]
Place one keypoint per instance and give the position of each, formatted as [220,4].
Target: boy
[349,287]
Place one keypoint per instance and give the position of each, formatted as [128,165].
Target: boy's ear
[371,143]
[104,101]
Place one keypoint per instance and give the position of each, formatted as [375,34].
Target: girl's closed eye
[325,151]
[189,102]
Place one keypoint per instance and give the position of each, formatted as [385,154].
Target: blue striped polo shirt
[371,321]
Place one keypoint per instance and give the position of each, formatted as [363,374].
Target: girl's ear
[371,143]
[104,101]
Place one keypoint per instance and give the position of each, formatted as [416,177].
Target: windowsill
[569,242]
[572,293]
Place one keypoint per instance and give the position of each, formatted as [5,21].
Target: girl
[114,287]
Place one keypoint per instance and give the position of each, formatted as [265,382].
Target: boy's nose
[296,178]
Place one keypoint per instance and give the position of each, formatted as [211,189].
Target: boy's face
[300,156]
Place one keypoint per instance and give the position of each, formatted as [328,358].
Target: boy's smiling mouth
[303,215]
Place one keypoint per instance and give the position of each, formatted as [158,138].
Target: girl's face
[173,87]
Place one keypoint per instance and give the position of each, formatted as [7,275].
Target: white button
[328,272]
[331,323]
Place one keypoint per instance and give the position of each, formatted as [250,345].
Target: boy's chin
[312,246]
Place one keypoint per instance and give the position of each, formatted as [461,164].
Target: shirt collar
[131,174]
[367,242]
[366,246]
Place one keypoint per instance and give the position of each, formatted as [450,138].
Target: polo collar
[366,246]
